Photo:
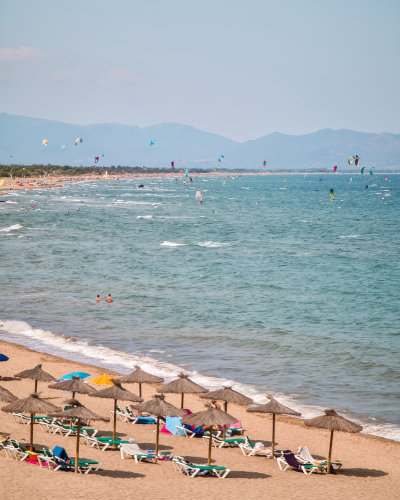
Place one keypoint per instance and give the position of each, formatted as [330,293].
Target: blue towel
[60,453]
[171,423]
[145,420]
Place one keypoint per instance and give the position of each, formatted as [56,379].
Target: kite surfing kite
[151,142]
[335,168]
[199,196]
[331,195]
[370,171]
[186,172]
[264,163]
[215,168]
[219,157]
[362,170]
[63,148]
[45,142]
[96,159]
[172,164]
[78,140]
[356,160]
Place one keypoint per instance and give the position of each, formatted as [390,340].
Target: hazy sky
[241,69]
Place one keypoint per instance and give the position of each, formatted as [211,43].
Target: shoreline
[169,372]
[57,181]
[369,463]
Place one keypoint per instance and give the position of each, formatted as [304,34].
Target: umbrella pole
[182,400]
[31,433]
[115,418]
[226,411]
[330,453]
[157,437]
[35,386]
[77,446]
[273,436]
[209,448]
[140,395]
[70,422]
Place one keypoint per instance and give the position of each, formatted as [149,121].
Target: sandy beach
[370,464]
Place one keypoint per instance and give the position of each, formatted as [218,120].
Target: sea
[267,286]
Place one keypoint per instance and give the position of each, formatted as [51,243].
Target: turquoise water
[268,285]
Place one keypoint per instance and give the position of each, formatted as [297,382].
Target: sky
[238,68]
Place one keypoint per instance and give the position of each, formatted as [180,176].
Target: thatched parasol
[228,395]
[79,412]
[116,392]
[275,408]
[6,396]
[181,386]
[32,404]
[334,422]
[140,377]
[160,408]
[209,418]
[37,374]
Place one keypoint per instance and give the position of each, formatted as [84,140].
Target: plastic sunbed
[288,460]
[248,446]
[304,455]
[193,470]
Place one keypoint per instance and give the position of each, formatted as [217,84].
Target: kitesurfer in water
[98,299]
[109,298]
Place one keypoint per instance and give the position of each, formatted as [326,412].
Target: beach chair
[4,442]
[15,450]
[288,460]
[218,442]
[134,450]
[102,443]
[194,470]
[235,428]
[143,419]
[59,455]
[255,449]
[304,455]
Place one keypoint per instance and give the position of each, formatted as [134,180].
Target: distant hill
[21,138]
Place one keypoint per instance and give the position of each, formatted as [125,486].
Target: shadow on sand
[361,472]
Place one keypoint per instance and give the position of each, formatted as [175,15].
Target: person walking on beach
[98,299]
[109,298]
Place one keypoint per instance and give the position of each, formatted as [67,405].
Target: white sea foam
[144,217]
[11,228]
[212,244]
[8,201]
[351,236]
[170,244]
[81,350]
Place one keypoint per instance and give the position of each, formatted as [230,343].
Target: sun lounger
[255,449]
[288,460]
[193,470]
[134,450]
[136,419]
[304,455]
[218,442]
[13,448]
[102,443]
[235,428]
[60,457]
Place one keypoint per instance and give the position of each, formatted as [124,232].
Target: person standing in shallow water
[109,298]
[98,299]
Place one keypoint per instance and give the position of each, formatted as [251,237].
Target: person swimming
[109,298]
[98,299]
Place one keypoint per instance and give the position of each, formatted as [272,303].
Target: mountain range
[21,143]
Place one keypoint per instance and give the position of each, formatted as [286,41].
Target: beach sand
[370,465]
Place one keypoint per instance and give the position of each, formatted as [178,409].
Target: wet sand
[370,465]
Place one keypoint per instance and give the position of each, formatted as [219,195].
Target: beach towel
[171,423]
[60,453]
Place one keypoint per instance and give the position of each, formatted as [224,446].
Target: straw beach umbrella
[37,374]
[6,396]
[160,408]
[334,422]
[32,404]
[74,385]
[209,418]
[228,395]
[140,377]
[181,386]
[79,412]
[116,392]
[275,408]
